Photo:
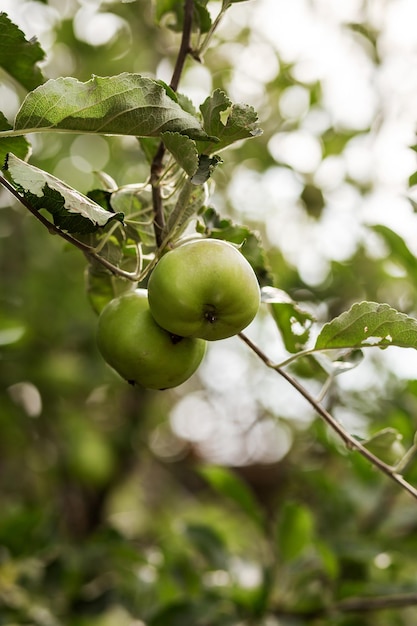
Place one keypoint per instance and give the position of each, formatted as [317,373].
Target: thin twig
[348,439]
[157,165]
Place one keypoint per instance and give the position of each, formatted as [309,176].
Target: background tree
[227,500]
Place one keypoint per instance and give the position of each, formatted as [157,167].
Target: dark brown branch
[376,603]
[185,47]
[158,161]
[348,439]
[158,208]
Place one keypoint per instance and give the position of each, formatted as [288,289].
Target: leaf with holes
[369,324]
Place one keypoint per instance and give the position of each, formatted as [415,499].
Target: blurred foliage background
[225,501]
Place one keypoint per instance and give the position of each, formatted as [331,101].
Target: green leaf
[412,180]
[398,249]
[227,3]
[176,614]
[71,210]
[386,445]
[206,167]
[228,122]
[102,286]
[149,147]
[183,149]
[251,246]
[295,530]
[369,324]
[229,484]
[313,199]
[126,104]
[209,543]
[18,145]
[293,322]
[18,56]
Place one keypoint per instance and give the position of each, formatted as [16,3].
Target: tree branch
[376,603]
[348,439]
[185,47]
[157,165]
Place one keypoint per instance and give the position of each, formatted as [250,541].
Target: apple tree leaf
[71,210]
[295,531]
[368,324]
[227,3]
[206,167]
[18,56]
[102,286]
[293,322]
[18,145]
[217,227]
[183,149]
[229,484]
[126,104]
[387,445]
[399,251]
[226,121]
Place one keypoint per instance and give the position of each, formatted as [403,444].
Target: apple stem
[210,317]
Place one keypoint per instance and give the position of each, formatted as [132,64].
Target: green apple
[138,349]
[204,288]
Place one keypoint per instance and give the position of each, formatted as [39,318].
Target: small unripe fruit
[142,352]
[204,288]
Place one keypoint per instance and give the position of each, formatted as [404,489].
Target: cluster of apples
[200,291]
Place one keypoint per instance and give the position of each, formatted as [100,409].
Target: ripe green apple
[138,349]
[204,288]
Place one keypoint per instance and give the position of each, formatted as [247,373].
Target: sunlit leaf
[18,56]
[228,122]
[293,322]
[18,145]
[369,324]
[126,104]
[71,210]
[386,445]
[399,251]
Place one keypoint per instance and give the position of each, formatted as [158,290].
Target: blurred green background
[225,501]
